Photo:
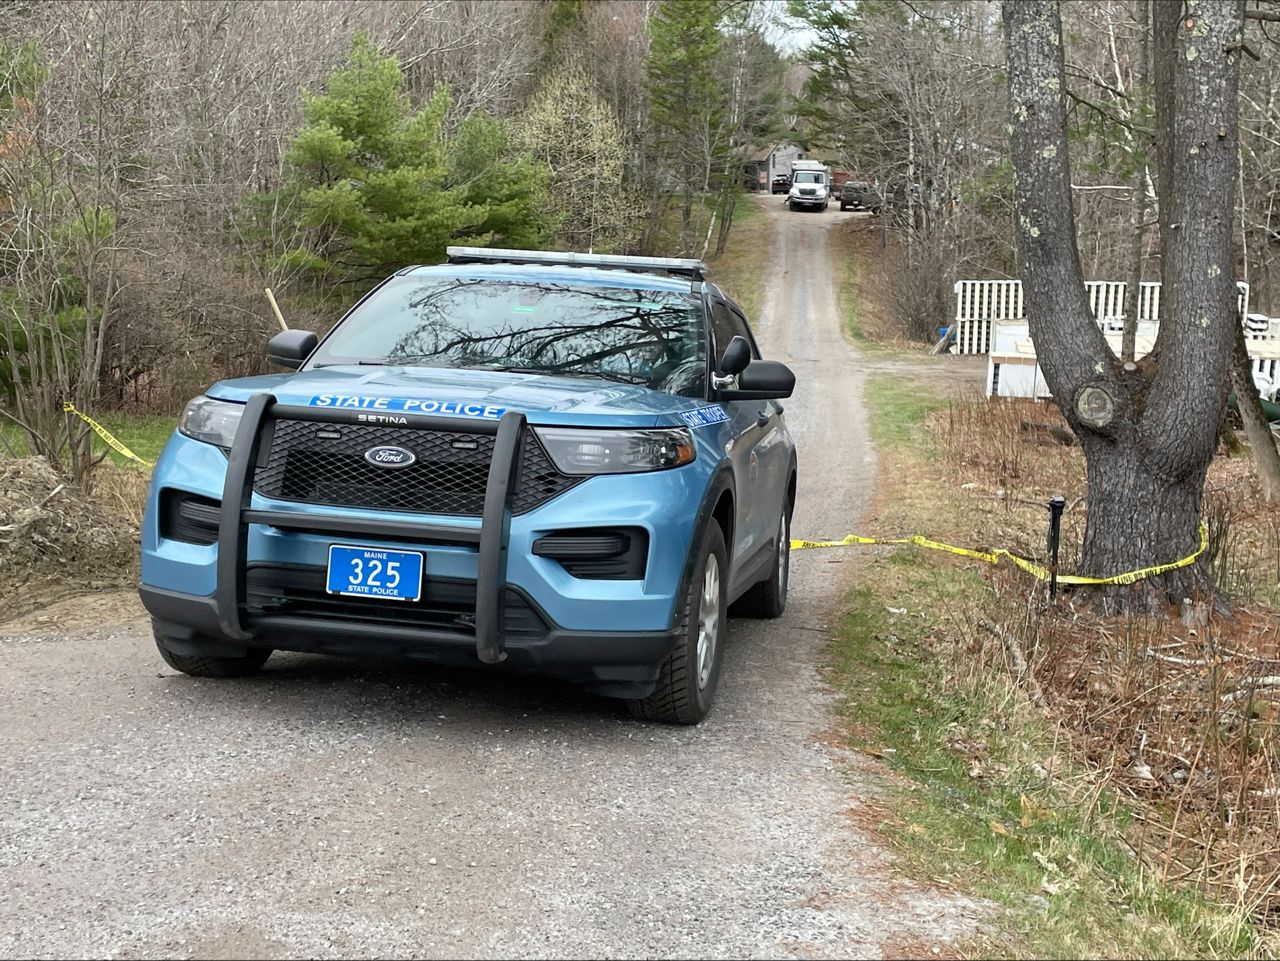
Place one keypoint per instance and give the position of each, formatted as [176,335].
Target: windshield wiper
[586,374]
[514,369]
[383,362]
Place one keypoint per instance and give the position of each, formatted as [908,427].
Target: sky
[788,34]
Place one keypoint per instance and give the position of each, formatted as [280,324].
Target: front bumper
[613,664]
[600,632]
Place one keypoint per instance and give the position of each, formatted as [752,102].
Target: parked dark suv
[781,184]
[859,195]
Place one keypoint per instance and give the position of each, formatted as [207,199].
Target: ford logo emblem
[390,456]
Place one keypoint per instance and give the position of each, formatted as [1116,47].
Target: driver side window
[740,323]
[726,323]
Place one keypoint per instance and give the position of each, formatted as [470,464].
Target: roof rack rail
[693,269]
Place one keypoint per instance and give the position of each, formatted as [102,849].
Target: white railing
[980,303]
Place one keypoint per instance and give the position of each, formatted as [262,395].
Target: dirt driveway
[332,808]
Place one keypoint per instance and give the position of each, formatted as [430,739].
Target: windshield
[648,337]
[810,177]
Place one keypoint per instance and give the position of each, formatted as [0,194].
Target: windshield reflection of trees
[619,334]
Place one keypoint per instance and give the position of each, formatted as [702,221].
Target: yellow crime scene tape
[106,435]
[1032,568]
[991,557]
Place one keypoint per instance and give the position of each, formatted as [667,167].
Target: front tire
[769,597]
[201,666]
[688,678]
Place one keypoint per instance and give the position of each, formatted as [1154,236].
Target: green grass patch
[144,434]
[848,294]
[742,271]
[746,211]
[898,410]
[989,804]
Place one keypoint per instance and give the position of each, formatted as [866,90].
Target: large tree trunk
[1148,435]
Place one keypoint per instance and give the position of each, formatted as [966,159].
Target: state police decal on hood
[445,408]
[704,416]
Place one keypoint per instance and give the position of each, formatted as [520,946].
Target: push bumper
[480,613]
[233,528]
[613,664]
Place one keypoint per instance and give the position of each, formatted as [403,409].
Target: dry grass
[1009,459]
[121,491]
[1114,783]
[743,269]
[878,292]
[1182,721]
[55,539]
[864,279]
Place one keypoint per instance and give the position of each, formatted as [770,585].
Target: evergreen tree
[686,100]
[379,185]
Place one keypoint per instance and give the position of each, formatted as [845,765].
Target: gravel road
[331,808]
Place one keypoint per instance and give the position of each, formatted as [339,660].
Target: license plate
[374,572]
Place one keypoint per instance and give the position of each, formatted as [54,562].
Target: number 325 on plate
[373,572]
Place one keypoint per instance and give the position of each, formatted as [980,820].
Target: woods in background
[161,161]
[916,93]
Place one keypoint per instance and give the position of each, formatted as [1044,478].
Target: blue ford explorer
[570,464]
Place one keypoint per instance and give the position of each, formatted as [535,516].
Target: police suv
[567,464]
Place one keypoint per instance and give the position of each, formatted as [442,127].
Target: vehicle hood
[544,399]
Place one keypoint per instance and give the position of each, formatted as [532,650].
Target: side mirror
[762,380]
[290,348]
[736,357]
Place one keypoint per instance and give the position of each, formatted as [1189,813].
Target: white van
[810,185]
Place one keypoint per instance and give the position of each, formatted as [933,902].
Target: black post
[495,522]
[1057,504]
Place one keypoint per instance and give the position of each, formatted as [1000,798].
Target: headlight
[579,451]
[211,421]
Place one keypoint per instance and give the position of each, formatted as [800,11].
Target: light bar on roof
[693,269]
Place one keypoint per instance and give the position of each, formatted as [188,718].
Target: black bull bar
[491,538]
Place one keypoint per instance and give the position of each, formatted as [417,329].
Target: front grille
[445,605]
[324,463]
[808,191]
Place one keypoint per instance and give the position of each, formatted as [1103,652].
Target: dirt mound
[54,540]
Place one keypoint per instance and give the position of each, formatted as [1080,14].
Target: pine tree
[379,185]
[686,101]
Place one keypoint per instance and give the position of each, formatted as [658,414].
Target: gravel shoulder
[330,808]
